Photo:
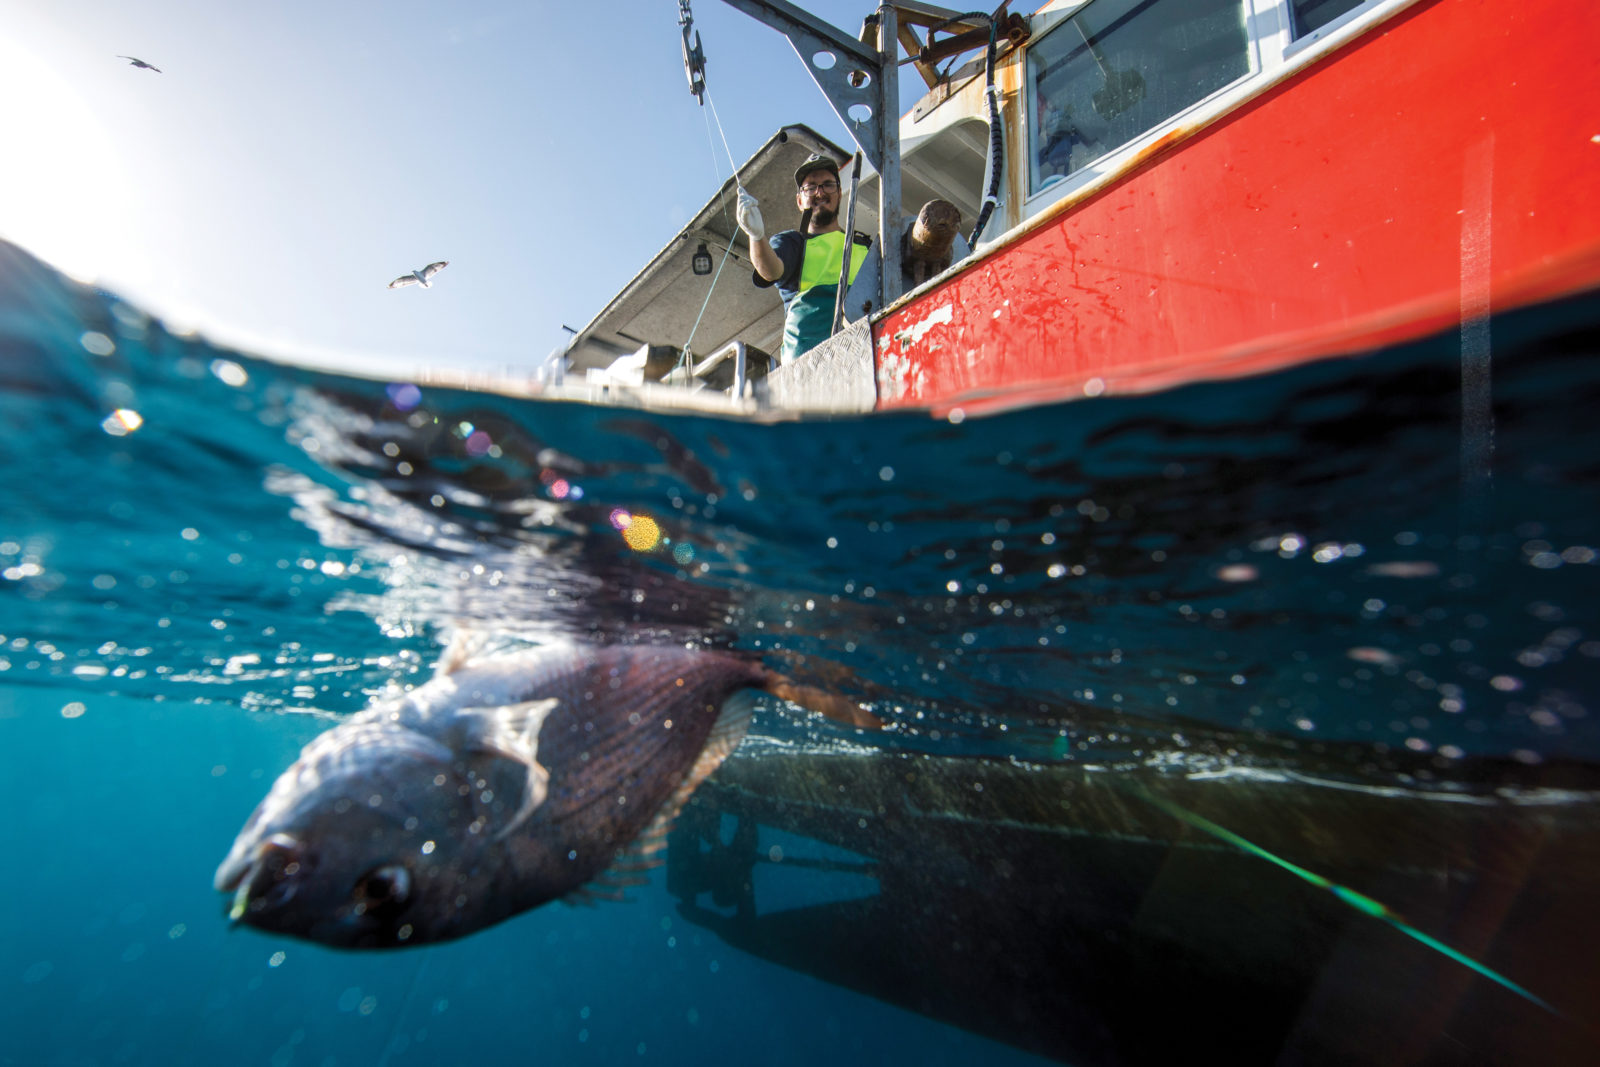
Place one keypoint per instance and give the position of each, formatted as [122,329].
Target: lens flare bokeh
[641,532]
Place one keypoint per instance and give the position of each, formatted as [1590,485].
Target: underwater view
[1247,720]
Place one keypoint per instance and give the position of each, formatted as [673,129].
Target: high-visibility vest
[809,321]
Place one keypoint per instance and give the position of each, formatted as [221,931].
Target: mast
[862,84]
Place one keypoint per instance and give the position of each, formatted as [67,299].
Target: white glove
[749,215]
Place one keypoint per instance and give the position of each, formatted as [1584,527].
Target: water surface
[1306,577]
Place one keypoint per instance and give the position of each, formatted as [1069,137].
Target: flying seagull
[141,64]
[420,276]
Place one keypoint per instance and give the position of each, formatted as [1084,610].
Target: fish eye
[387,886]
[280,856]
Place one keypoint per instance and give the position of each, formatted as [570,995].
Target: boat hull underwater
[1130,914]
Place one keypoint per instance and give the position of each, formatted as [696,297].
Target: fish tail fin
[1359,901]
[834,706]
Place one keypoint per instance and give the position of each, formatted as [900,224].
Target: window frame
[1300,44]
[1060,24]
[1271,52]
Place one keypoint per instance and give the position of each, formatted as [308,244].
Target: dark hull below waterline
[1066,911]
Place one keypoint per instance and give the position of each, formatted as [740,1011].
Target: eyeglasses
[819,187]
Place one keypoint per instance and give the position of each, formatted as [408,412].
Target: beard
[821,216]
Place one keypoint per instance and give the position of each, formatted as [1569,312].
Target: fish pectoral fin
[642,853]
[524,719]
[830,705]
[510,731]
[533,794]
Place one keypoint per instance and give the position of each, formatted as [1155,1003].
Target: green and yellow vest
[809,321]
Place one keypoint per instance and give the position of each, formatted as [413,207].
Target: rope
[726,252]
[701,92]
[712,144]
[732,166]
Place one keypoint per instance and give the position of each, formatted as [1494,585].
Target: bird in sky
[421,277]
[141,64]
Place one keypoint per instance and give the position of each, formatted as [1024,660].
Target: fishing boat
[1156,193]
[1169,191]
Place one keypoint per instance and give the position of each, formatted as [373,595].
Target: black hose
[991,195]
[996,147]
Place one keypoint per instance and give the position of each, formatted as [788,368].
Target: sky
[292,158]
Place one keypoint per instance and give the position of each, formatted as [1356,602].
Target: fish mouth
[231,873]
[261,875]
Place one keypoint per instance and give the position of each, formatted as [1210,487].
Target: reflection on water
[1285,576]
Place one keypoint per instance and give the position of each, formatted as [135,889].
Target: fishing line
[1360,901]
[416,980]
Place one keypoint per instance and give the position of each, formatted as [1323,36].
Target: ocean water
[1346,616]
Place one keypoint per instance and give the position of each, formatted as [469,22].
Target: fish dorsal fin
[511,731]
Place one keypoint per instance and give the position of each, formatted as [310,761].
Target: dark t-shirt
[791,249]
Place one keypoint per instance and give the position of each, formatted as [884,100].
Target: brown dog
[925,249]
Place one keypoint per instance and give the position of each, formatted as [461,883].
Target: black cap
[814,163]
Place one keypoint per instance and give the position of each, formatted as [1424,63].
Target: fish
[420,277]
[504,782]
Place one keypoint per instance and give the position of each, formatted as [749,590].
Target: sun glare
[63,193]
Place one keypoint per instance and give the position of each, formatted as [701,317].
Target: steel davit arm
[861,77]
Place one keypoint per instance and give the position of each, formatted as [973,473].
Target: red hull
[1445,164]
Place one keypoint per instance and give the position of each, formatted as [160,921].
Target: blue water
[207,558]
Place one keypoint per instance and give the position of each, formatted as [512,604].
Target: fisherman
[803,263]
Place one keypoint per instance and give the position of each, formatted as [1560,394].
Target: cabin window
[1311,15]
[1119,68]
